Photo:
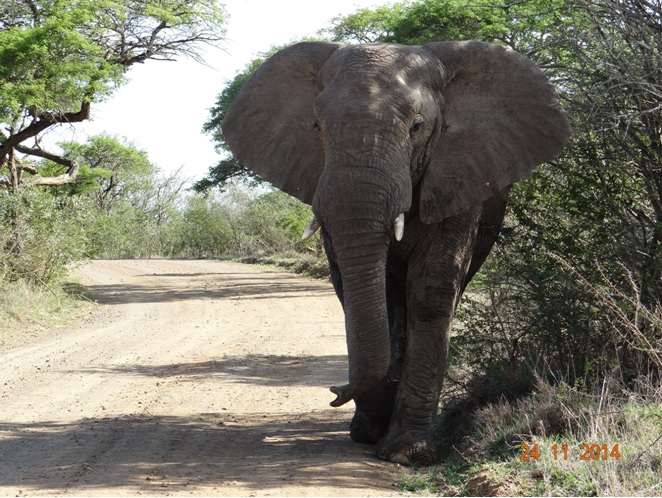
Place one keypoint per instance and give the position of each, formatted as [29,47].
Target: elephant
[406,155]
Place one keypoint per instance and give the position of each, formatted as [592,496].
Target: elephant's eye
[417,126]
[316,126]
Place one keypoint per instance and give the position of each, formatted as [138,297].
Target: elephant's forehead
[379,64]
[373,76]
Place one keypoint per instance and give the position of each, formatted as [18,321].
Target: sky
[164,105]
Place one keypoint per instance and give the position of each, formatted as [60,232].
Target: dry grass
[565,416]
[28,310]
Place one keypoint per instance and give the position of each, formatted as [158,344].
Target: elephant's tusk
[399,227]
[311,229]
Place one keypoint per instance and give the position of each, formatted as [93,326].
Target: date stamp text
[586,452]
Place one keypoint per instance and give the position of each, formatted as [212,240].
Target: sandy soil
[193,377]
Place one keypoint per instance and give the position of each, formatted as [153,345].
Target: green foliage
[575,282]
[282,219]
[239,222]
[124,208]
[87,180]
[203,227]
[58,54]
[127,209]
[370,25]
[136,208]
[423,21]
[125,232]
[120,169]
[411,23]
[443,480]
[244,223]
[51,65]
[224,173]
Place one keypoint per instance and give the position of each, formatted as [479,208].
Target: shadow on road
[170,455]
[238,286]
[262,370]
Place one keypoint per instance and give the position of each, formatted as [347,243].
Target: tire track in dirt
[193,377]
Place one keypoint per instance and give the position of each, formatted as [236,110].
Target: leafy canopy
[59,56]
[51,67]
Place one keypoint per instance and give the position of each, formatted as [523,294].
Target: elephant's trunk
[358,213]
[366,322]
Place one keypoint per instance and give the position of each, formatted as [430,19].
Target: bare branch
[68,178]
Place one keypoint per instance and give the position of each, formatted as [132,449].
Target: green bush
[202,230]
[242,222]
[124,232]
[40,234]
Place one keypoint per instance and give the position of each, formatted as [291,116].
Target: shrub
[40,234]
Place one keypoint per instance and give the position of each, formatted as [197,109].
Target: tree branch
[42,122]
[53,181]
[46,155]
[71,175]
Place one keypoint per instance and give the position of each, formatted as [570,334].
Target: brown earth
[192,377]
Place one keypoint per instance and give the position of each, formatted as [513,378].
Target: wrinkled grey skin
[366,132]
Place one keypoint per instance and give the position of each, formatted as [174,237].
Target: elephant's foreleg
[436,273]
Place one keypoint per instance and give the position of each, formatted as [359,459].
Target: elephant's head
[359,131]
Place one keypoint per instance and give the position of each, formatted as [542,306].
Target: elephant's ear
[270,126]
[501,118]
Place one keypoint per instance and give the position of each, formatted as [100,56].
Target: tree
[623,106]
[58,57]
[126,205]
[411,23]
[603,198]
[40,234]
[127,171]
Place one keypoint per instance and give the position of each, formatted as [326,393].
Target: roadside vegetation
[559,342]
[558,440]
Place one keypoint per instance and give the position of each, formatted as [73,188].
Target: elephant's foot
[373,413]
[407,451]
[364,429]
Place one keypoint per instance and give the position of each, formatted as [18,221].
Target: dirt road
[192,377]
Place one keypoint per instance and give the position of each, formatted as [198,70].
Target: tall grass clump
[40,235]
